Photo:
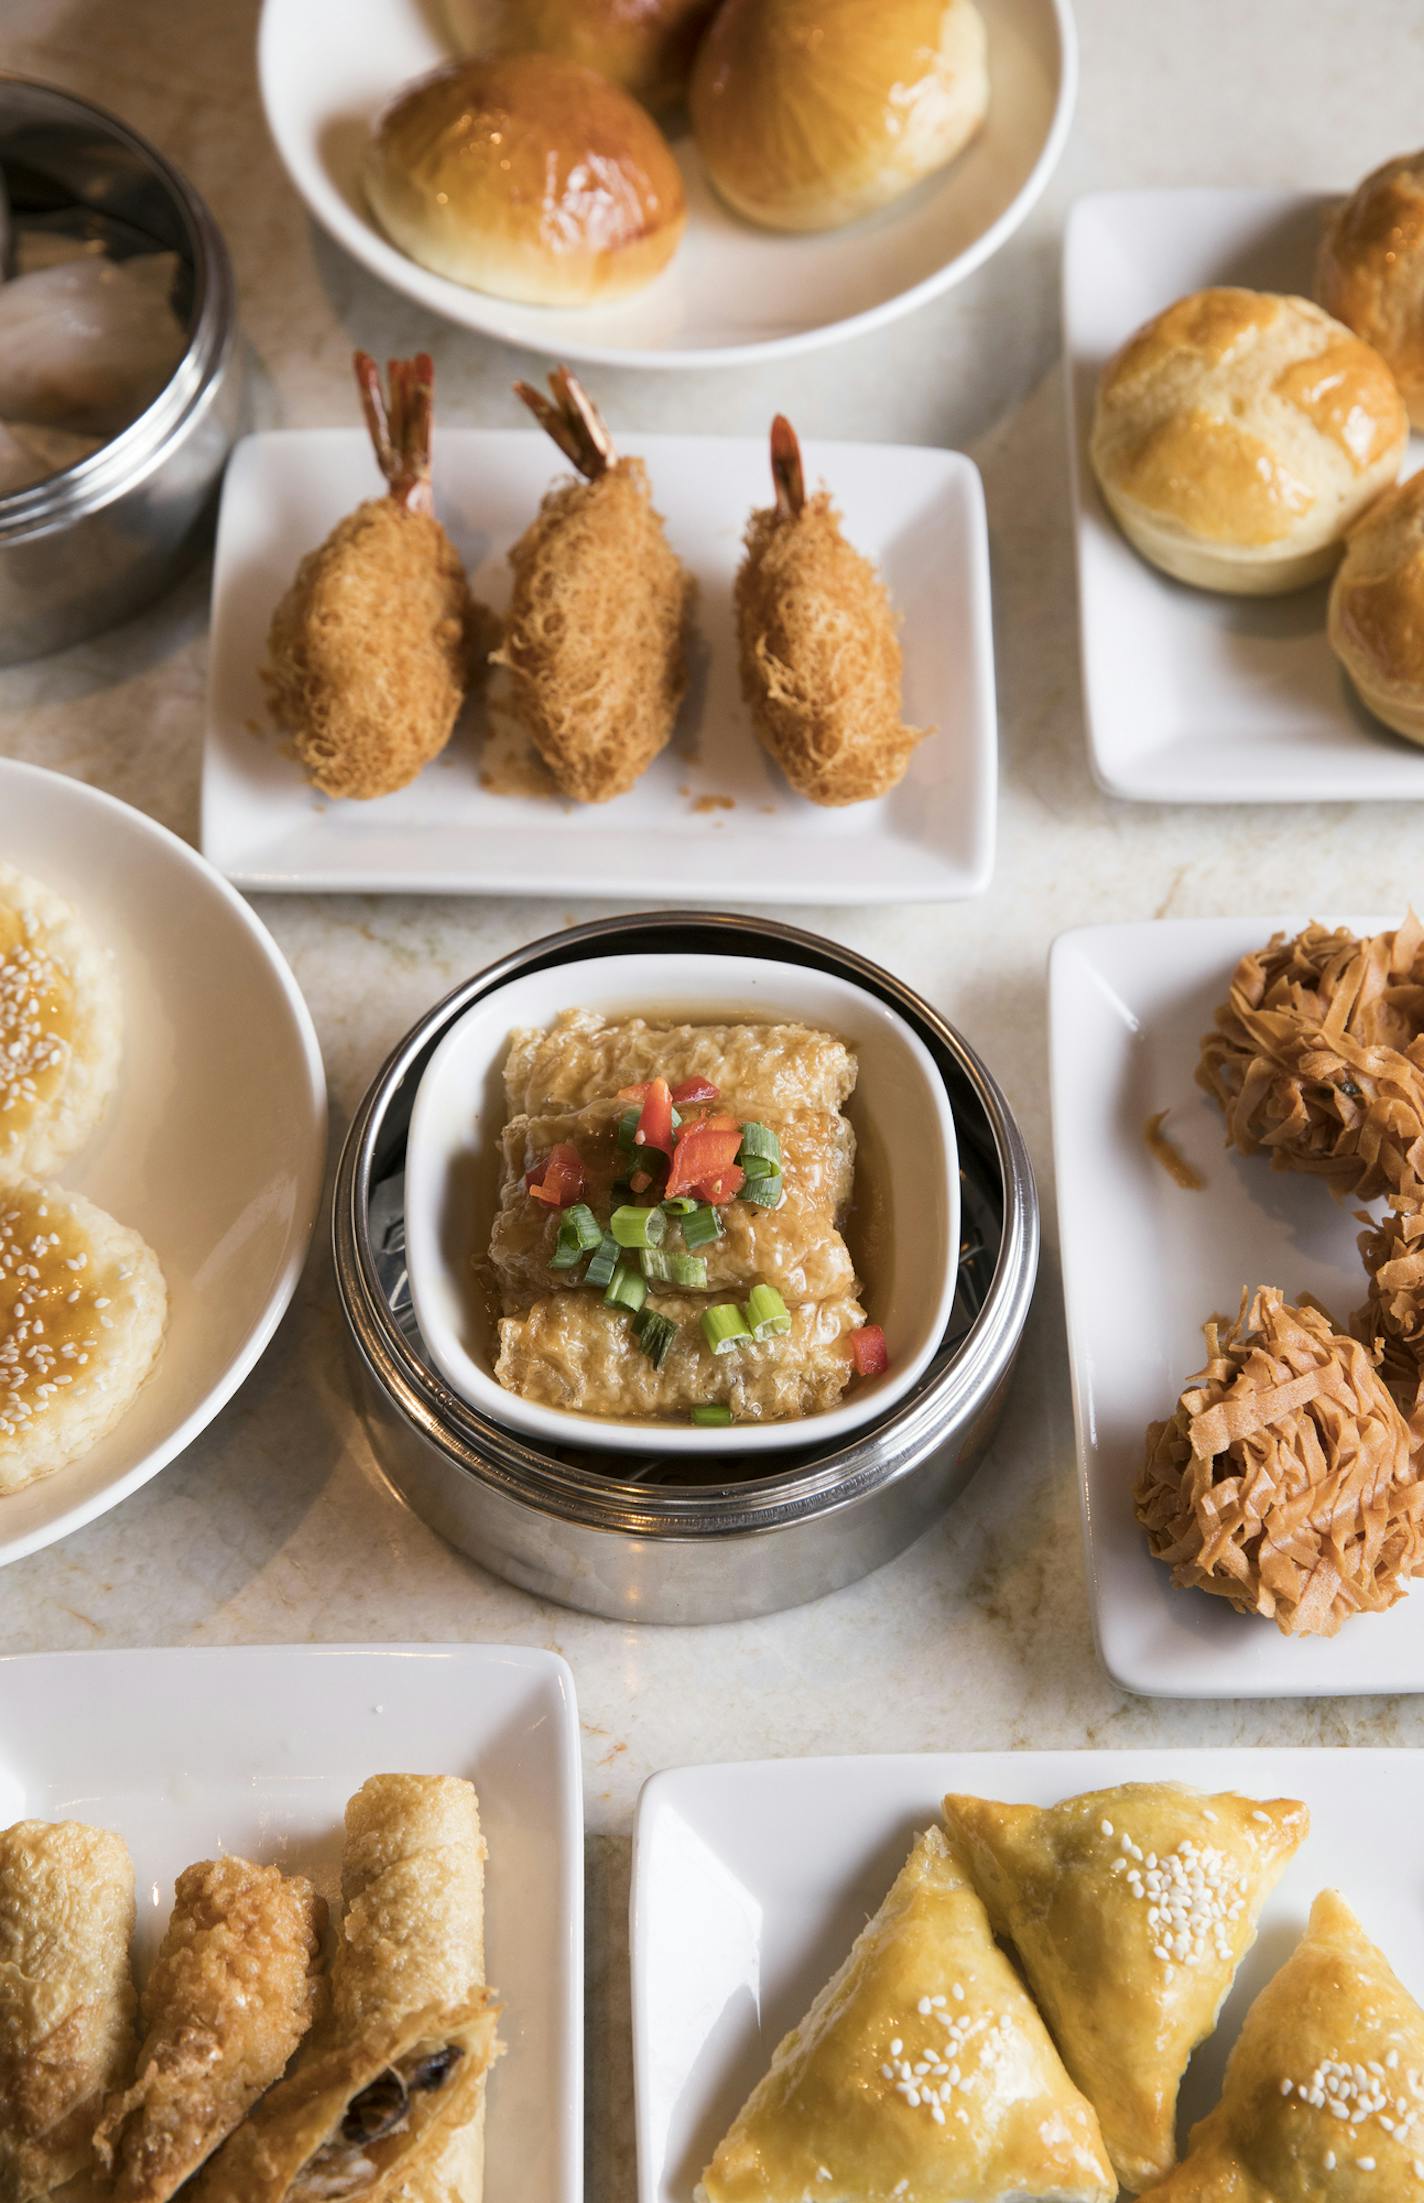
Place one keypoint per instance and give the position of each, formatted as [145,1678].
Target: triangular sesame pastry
[1324,2091]
[1130,1911]
[921,2074]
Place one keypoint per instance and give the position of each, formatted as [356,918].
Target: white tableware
[1145,1263]
[712,816]
[1192,696]
[907,1176]
[734,293]
[213,1143]
[751,1882]
[255,1750]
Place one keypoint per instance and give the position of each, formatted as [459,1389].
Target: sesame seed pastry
[66,1998]
[922,2072]
[1324,2090]
[1130,1910]
[60,1027]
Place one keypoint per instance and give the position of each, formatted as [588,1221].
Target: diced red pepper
[654,1126]
[704,1151]
[640,1181]
[559,1180]
[723,1188]
[693,1091]
[868,1352]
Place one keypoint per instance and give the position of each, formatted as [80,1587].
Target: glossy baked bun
[1238,435]
[1377,608]
[809,113]
[646,46]
[1371,273]
[527,176]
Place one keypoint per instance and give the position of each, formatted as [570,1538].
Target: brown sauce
[1165,1151]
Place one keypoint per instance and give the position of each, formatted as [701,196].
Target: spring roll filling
[341,2167]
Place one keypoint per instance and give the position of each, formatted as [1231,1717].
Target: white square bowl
[189,1754]
[751,1882]
[905,1136]
[1192,696]
[1145,1264]
[712,814]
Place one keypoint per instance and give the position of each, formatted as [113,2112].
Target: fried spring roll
[395,2072]
[66,1998]
[232,1993]
[583,1057]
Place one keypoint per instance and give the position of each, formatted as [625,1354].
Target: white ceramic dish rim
[365,244]
[260,1334]
[428,1159]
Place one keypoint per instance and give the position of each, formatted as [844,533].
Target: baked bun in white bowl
[1371,272]
[810,113]
[1239,435]
[646,46]
[1377,609]
[527,176]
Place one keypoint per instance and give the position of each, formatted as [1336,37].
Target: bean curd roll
[66,1998]
[391,2082]
[232,1993]
[583,1057]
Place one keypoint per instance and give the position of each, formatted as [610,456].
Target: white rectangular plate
[189,1754]
[1145,1264]
[751,1882]
[919,513]
[1191,696]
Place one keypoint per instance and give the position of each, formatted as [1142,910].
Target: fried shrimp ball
[820,646]
[596,639]
[372,649]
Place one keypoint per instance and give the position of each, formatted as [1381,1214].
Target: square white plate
[919,513]
[751,1882]
[1191,696]
[1144,1265]
[192,1753]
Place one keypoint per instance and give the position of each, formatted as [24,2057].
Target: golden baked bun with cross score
[810,113]
[529,177]
[646,46]
[1377,609]
[1240,434]
[1371,271]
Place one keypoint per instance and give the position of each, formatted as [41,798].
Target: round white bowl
[213,1143]
[734,293]
[905,1134]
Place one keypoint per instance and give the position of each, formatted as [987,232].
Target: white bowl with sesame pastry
[180,1172]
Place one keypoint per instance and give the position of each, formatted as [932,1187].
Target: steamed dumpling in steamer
[87,344]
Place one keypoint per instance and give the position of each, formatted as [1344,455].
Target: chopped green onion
[628,1125]
[767,1313]
[723,1325]
[712,1414]
[702,1226]
[655,1335]
[681,1204]
[603,1265]
[662,1268]
[627,1288]
[765,1192]
[633,1227]
[759,1144]
[579,1233]
[759,1166]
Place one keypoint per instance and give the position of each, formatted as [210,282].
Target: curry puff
[922,2071]
[383,2098]
[66,1998]
[231,1995]
[1130,1911]
[1324,2090]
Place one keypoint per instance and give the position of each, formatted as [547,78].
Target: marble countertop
[276,1525]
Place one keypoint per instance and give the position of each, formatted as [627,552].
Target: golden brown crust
[596,639]
[1376,622]
[646,46]
[371,648]
[821,664]
[232,1993]
[1371,270]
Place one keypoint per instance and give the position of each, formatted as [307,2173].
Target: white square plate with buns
[1192,696]
[712,818]
[750,1883]
[255,1750]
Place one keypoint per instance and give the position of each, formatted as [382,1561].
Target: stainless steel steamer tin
[648,1544]
[91,545]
